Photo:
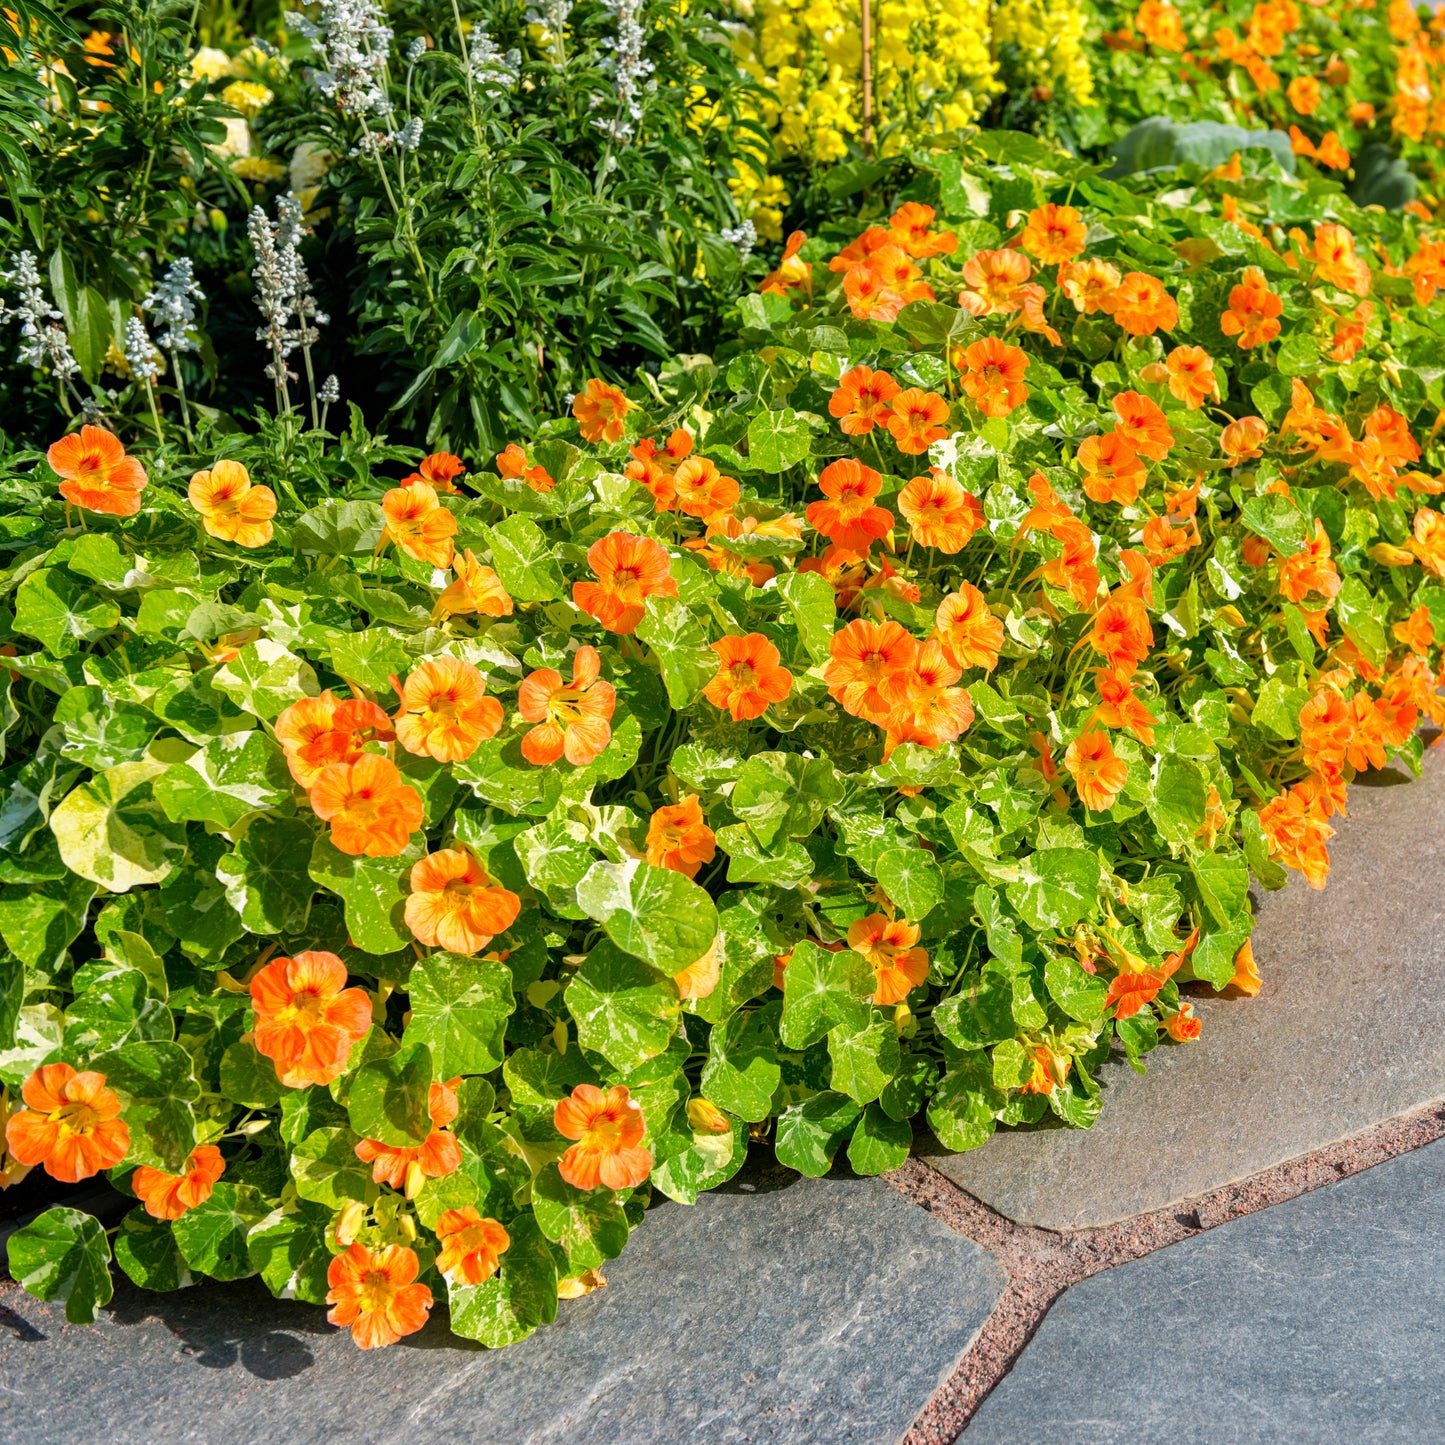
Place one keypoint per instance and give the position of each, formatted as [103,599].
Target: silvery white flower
[416,50]
[140,352]
[488,66]
[352,41]
[173,304]
[330,390]
[744,236]
[628,68]
[408,138]
[43,341]
[273,295]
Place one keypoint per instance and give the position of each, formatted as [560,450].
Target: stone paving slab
[1322,1319]
[779,1310]
[1344,1034]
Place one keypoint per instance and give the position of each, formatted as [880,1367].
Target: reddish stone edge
[1041,1263]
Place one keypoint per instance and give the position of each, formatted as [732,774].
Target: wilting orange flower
[993,376]
[1048,509]
[475,588]
[1119,707]
[318,731]
[748,678]
[1112,470]
[889,946]
[1304,94]
[1417,631]
[1297,835]
[927,708]
[1183,1027]
[374,1291]
[848,517]
[1054,235]
[629,570]
[1143,425]
[1253,311]
[940,512]
[1163,541]
[440,471]
[471,1246]
[679,838]
[371,811]
[454,904]
[1097,773]
[864,657]
[601,411]
[1191,376]
[1031,314]
[513,462]
[231,508]
[1428,540]
[1141,305]
[1131,990]
[1161,25]
[1310,569]
[1121,633]
[408,1167]
[98,475]
[918,420]
[1241,440]
[994,279]
[1336,261]
[971,635]
[911,227]
[793,273]
[168,1196]
[608,1129]
[71,1124]
[445,711]
[1089,284]
[307,1020]
[419,524]
[701,490]
[862,400]
[573,718]
[1332,153]
[653,469]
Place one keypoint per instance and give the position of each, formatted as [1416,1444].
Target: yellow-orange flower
[1241,440]
[749,676]
[231,508]
[514,463]
[454,904]
[168,1196]
[993,376]
[445,711]
[971,635]
[1098,773]
[471,1246]
[679,838]
[1253,311]
[1191,376]
[1141,305]
[889,945]
[318,731]
[865,658]
[307,1020]
[372,812]
[71,1124]
[995,282]
[701,490]
[1143,425]
[601,411]
[1112,470]
[848,517]
[940,513]
[918,419]
[97,473]
[862,400]
[439,471]
[374,1291]
[1054,235]
[608,1129]
[475,588]
[1089,284]
[419,524]
[629,570]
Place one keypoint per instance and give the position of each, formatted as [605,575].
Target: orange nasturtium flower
[1311,569]
[418,524]
[993,376]
[917,420]
[1121,633]
[1112,469]
[679,838]
[318,731]
[1141,305]
[1191,376]
[71,1124]
[445,710]
[911,227]
[439,471]
[889,946]
[1161,25]
[1253,311]
[573,718]
[995,282]
[1428,540]
[372,812]
[1303,93]
[1241,440]
[629,569]
[513,463]
[231,508]
[1089,284]
[1119,707]
[1054,235]
[454,904]
[1143,425]
[848,517]
[1184,1026]
[475,588]
[928,709]
[168,1196]
[408,1167]
[866,656]
[701,490]
[375,1292]
[940,513]
[608,1129]
[307,1020]
[749,676]
[1417,631]
[793,273]
[862,400]
[601,412]
[971,635]
[1097,772]
[471,1246]
[97,473]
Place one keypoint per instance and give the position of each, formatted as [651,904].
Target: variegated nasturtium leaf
[811,1133]
[1056,888]
[710,1160]
[823,991]
[879,1143]
[158,1094]
[265,874]
[62,613]
[374,891]
[680,642]
[64,1256]
[39,920]
[588,1224]
[742,1072]
[623,1008]
[652,913]
[912,879]
[864,1059]
[288,1249]
[231,776]
[212,1236]
[326,1170]
[114,831]
[265,678]
[388,1099]
[459,1010]
[145,1248]
[517,1299]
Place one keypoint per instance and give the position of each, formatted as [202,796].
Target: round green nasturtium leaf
[52,606]
[113,830]
[710,1160]
[518,1298]
[249,1078]
[389,1097]
[863,1059]
[374,891]
[823,991]
[588,1223]
[212,1236]
[265,874]
[811,1133]
[288,1250]
[879,1143]
[459,1010]
[231,776]
[912,879]
[327,1171]
[652,913]
[39,921]
[158,1093]
[742,1072]
[623,1009]
[1056,887]
[962,1109]
[64,1256]
[265,678]
[146,1250]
